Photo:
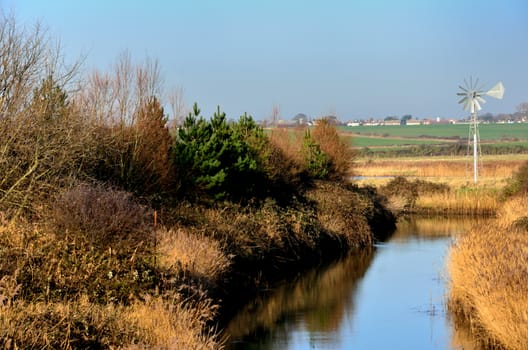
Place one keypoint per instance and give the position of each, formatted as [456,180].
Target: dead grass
[452,167]
[464,198]
[58,291]
[191,251]
[488,270]
[462,201]
[155,322]
[173,323]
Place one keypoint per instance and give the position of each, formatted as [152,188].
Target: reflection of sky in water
[398,304]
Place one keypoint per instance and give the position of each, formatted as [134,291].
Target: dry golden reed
[494,167]
[154,323]
[190,251]
[464,202]
[488,286]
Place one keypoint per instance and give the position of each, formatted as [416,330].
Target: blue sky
[352,58]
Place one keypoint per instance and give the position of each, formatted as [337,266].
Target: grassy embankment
[119,232]
[488,288]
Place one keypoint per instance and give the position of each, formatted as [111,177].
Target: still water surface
[390,298]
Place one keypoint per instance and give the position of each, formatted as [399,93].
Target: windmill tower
[471,100]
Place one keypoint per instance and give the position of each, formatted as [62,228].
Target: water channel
[390,298]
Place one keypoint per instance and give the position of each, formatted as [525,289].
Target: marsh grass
[461,201]
[459,196]
[155,322]
[488,269]
[452,167]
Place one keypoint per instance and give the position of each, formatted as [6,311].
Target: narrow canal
[390,298]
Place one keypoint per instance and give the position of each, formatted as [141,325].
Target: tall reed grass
[488,269]
[461,201]
[492,167]
[74,324]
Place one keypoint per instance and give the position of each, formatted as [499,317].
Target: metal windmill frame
[471,100]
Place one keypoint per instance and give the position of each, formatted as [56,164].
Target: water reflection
[392,297]
[316,302]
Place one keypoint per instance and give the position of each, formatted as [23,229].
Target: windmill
[472,99]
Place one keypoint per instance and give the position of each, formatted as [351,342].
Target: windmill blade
[460,86]
[480,99]
[463,100]
[467,104]
[497,91]
[476,105]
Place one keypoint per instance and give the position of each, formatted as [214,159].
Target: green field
[364,141]
[488,132]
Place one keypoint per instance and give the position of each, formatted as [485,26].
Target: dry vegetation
[459,195]
[493,167]
[102,245]
[489,279]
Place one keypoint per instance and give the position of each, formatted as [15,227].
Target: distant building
[413,122]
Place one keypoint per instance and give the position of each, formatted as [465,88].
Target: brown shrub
[102,215]
[289,141]
[336,149]
[343,213]
[400,189]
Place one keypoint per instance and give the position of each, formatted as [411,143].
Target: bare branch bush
[133,141]
[179,110]
[104,215]
[41,138]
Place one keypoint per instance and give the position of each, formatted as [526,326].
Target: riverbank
[164,279]
[489,278]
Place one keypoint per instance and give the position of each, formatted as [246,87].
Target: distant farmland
[488,132]
[436,139]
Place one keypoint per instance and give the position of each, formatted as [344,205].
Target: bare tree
[39,135]
[523,109]
[116,98]
[22,59]
[27,56]
[178,107]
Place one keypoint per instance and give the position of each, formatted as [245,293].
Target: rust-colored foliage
[153,150]
[338,152]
